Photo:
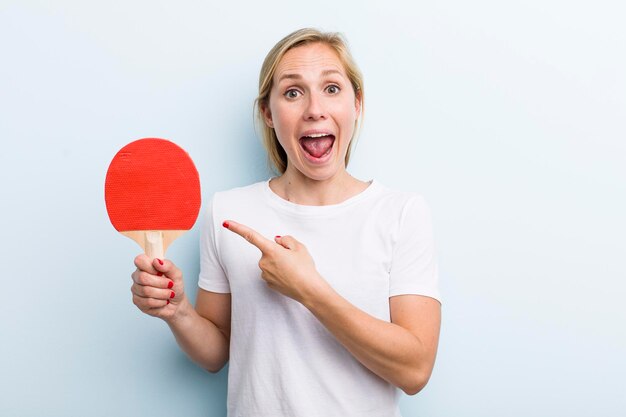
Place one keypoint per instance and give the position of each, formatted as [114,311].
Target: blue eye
[333,89]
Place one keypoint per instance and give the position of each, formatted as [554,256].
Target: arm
[401,352]
[202,333]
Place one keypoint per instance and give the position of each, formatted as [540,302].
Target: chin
[322,173]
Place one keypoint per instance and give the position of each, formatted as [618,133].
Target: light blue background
[507,116]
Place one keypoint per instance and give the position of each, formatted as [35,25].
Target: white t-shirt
[283,361]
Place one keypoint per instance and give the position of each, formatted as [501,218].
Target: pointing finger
[250,235]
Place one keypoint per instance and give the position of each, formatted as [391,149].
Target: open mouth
[317,145]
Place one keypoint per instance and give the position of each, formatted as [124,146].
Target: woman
[335,315]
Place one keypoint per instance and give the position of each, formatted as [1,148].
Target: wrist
[317,294]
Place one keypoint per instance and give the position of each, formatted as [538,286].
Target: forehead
[309,58]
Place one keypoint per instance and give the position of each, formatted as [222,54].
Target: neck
[299,189]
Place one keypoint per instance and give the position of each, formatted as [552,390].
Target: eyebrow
[290,76]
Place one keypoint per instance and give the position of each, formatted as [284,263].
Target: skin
[401,351]
[311,91]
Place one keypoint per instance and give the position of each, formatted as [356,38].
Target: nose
[315,109]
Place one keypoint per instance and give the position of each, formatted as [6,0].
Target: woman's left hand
[286,264]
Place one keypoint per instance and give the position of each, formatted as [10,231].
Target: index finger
[250,235]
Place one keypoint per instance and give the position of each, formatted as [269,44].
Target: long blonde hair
[275,152]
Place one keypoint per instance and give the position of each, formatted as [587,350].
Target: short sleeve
[414,264]
[212,277]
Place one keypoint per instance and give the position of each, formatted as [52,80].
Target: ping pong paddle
[152,193]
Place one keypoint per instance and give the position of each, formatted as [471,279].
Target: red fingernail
[277,237]
[172,295]
[170,284]
[168,301]
[160,261]
[225,224]
[159,274]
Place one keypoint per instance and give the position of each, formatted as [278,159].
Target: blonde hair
[276,154]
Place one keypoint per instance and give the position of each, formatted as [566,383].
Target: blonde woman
[329,304]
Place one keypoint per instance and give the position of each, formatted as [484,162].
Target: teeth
[317,135]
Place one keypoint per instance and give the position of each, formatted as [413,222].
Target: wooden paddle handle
[154,244]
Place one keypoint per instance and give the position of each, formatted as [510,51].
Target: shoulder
[230,204]
[239,195]
[399,201]
[401,213]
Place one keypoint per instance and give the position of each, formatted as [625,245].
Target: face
[313,109]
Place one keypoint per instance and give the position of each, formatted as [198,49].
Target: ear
[267,115]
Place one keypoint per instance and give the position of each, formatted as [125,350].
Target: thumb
[168,269]
[287,242]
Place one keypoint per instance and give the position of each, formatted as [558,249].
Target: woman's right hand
[157,288]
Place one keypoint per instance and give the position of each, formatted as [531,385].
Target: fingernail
[160,261]
[277,237]
[170,284]
[159,274]
[225,224]
[168,301]
[172,295]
